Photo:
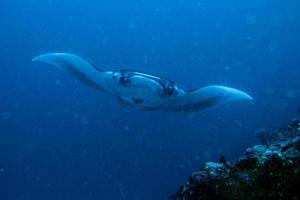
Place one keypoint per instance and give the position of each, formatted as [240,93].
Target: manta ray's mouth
[124,77]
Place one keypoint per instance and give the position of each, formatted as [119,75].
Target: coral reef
[267,171]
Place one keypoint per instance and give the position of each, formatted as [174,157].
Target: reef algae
[270,170]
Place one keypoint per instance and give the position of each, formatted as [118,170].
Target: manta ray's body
[143,91]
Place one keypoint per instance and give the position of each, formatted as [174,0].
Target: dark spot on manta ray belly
[137,100]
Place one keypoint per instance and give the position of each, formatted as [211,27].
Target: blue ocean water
[60,139]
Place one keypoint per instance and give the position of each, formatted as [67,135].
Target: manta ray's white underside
[141,90]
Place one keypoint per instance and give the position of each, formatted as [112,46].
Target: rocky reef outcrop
[270,170]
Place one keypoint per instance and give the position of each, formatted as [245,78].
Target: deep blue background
[61,140]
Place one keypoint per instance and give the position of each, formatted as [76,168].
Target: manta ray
[143,91]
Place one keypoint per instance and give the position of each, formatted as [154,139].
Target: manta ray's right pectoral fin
[75,65]
[208,97]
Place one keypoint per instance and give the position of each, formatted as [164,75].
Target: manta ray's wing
[205,98]
[78,67]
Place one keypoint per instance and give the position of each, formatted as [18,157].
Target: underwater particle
[145,59]
[131,25]
[227,68]
[1,170]
[155,39]
[84,121]
[279,104]
[292,94]
[181,165]
[83,153]
[249,38]
[16,105]
[275,20]
[149,144]
[6,115]
[207,154]
[37,179]
[238,123]
[126,128]
[27,167]
[270,91]
[251,19]
[196,44]
[139,139]
[76,116]
[57,82]
[199,4]
[50,115]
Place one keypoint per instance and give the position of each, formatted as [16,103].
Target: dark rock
[223,160]
[263,135]
[295,123]
[268,171]
[291,153]
[247,162]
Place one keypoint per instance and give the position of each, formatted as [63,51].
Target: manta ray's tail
[76,66]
